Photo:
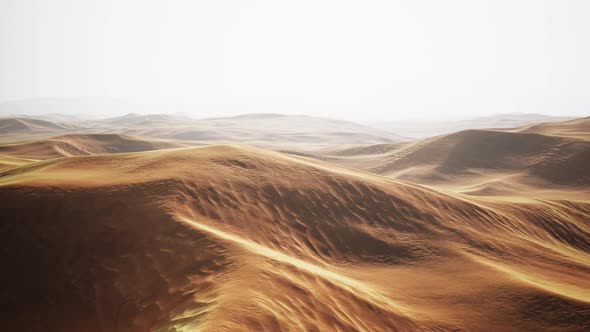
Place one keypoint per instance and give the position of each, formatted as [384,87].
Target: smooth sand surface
[83,144]
[549,160]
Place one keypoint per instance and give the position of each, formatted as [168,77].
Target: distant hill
[85,108]
[491,162]
[139,120]
[576,128]
[79,145]
[257,129]
[426,128]
[53,117]
[15,126]
[554,159]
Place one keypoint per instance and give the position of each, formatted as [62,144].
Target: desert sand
[108,232]
[83,144]
[230,238]
[16,125]
[426,127]
[268,130]
[543,160]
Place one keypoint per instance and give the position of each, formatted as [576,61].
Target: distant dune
[135,119]
[16,126]
[83,108]
[515,161]
[265,130]
[535,154]
[79,145]
[242,239]
[427,128]
[577,128]
[258,129]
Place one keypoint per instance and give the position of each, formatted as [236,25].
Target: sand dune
[552,159]
[277,129]
[9,162]
[136,119]
[273,131]
[80,144]
[268,130]
[576,128]
[543,159]
[229,238]
[428,128]
[14,126]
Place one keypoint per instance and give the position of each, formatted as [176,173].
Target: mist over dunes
[287,166]
[427,128]
[12,126]
[83,144]
[552,156]
[258,129]
[576,128]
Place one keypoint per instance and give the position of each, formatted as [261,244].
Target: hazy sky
[350,59]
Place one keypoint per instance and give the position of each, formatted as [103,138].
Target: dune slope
[83,144]
[228,238]
[576,128]
[14,126]
[553,159]
[544,160]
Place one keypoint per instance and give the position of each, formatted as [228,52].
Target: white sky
[358,60]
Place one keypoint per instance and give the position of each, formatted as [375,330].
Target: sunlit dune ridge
[230,238]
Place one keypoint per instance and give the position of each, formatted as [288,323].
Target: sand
[17,125]
[84,144]
[548,160]
[236,238]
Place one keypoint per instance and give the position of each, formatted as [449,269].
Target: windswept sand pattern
[547,160]
[229,238]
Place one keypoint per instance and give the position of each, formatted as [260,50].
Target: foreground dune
[228,238]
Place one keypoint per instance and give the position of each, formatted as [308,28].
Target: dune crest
[543,160]
[239,238]
[83,144]
[14,126]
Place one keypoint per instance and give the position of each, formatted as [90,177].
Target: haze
[356,60]
[367,166]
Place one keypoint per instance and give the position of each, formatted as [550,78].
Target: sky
[359,60]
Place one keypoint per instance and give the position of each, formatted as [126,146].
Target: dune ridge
[239,238]
[266,130]
[83,144]
[542,160]
[16,125]
[576,128]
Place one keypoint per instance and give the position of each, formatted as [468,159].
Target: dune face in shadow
[479,149]
[542,160]
[228,238]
